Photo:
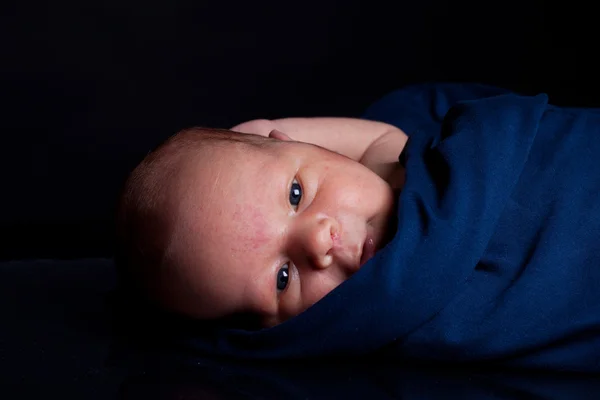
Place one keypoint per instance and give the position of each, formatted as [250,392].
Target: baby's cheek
[317,286]
[254,233]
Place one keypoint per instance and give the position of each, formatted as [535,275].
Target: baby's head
[215,224]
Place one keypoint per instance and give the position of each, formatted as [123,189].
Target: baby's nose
[320,240]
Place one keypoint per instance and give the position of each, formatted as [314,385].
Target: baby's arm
[377,145]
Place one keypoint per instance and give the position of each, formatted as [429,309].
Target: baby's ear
[275,134]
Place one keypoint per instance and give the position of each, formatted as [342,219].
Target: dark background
[89,87]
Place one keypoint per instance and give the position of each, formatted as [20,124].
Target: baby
[257,225]
[490,252]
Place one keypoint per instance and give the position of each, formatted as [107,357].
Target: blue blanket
[497,253]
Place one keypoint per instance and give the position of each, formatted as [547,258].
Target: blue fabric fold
[497,252]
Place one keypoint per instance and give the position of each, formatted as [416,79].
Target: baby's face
[271,230]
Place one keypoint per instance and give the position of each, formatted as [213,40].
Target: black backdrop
[89,87]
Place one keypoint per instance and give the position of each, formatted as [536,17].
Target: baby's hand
[260,127]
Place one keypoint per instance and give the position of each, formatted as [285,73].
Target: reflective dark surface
[367,381]
[57,342]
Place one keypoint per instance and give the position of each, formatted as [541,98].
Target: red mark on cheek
[252,228]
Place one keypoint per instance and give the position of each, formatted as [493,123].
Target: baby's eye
[295,194]
[283,276]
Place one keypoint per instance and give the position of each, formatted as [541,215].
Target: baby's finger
[275,134]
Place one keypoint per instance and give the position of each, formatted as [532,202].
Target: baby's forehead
[211,177]
[231,145]
[238,155]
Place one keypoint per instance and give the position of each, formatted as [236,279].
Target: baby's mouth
[370,247]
